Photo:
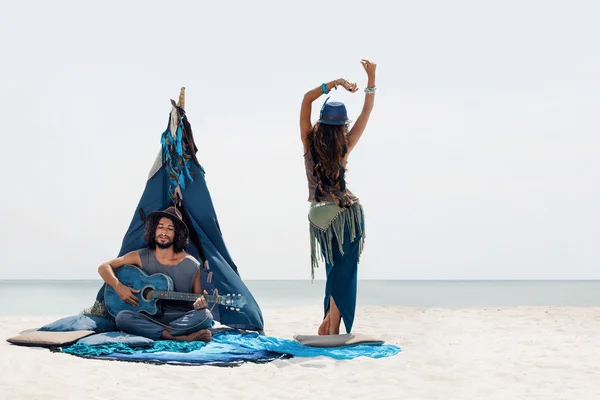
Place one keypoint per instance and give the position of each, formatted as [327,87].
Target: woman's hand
[351,87]
[370,70]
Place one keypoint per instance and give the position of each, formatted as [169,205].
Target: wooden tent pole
[181,102]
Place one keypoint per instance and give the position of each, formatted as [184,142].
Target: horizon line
[323,279]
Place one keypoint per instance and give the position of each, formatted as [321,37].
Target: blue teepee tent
[177,178]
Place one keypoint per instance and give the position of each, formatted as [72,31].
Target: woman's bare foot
[335,320]
[324,328]
[333,329]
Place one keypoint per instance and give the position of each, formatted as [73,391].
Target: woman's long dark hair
[180,240]
[328,146]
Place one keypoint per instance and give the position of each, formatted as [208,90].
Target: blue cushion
[100,339]
[81,323]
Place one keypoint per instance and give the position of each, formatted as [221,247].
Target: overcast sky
[481,159]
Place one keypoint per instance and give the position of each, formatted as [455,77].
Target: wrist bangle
[369,90]
[324,88]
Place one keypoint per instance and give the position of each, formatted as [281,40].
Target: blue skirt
[342,275]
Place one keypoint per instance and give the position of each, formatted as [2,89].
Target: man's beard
[165,245]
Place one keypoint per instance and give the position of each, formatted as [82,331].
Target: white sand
[514,353]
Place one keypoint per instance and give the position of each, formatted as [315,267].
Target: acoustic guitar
[155,287]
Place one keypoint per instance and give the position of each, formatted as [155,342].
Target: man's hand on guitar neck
[201,302]
[127,294]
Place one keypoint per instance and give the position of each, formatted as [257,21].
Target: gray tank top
[182,275]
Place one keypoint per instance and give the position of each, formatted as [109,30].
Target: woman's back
[313,181]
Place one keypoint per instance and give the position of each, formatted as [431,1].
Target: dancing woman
[335,214]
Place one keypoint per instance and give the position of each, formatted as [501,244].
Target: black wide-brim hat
[173,214]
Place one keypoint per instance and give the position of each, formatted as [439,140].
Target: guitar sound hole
[147,293]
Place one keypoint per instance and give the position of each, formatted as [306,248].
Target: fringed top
[313,181]
[327,220]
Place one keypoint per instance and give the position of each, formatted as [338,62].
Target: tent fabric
[177,178]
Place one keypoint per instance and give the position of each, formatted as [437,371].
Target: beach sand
[497,353]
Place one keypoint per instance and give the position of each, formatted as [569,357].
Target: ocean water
[68,297]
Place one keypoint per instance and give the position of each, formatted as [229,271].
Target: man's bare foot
[202,335]
[324,328]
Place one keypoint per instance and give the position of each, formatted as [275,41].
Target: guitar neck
[166,295]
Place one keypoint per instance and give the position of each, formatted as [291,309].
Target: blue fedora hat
[333,113]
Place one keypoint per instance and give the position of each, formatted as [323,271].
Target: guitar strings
[169,327]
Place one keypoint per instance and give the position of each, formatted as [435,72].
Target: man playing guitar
[166,235]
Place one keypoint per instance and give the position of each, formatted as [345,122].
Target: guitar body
[136,278]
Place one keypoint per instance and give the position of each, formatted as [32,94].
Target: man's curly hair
[180,240]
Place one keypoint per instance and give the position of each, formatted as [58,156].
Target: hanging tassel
[177,161]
